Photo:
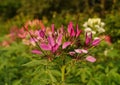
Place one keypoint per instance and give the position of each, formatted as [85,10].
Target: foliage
[113,26]
[11,69]
[20,68]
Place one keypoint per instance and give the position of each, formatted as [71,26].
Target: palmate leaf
[17,82]
[91,82]
[39,77]
[56,72]
[84,73]
[35,63]
[94,81]
[45,77]
[114,75]
[113,53]
[111,77]
[52,77]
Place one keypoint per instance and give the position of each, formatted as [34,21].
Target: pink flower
[36,52]
[81,51]
[53,44]
[78,31]
[72,53]
[41,33]
[51,40]
[84,51]
[71,29]
[22,33]
[96,41]
[65,44]
[45,46]
[88,38]
[42,25]
[108,38]
[54,48]
[91,59]
[78,51]
[59,39]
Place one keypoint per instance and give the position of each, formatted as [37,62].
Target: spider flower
[72,32]
[64,42]
[53,44]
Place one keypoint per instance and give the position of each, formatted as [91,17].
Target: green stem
[63,74]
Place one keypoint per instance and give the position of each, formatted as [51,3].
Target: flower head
[53,42]
[94,25]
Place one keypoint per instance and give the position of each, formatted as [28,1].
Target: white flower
[101,30]
[85,24]
[97,26]
[90,22]
[96,38]
[102,24]
[88,29]
[94,25]
[93,32]
[97,20]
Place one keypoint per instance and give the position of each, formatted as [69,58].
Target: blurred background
[18,12]
[14,14]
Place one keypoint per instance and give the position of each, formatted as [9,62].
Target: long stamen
[34,40]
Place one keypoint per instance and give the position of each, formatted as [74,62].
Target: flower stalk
[63,74]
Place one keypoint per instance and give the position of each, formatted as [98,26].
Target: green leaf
[52,77]
[35,63]
[17,82]
[91,82]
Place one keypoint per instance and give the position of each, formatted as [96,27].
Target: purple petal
[70,24]
[72,33]
[84,51]
[41,33]
[96,42]
[88,39]
[91,59]
[45,47]
[78,31]
[59,39]
[55,48]
[78,50]
[36,52]
[51,40]
[65,44]
[71,29]
[81,51]
[72,53]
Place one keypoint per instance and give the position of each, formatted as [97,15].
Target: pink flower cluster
[54,42]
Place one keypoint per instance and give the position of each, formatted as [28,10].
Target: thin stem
[63,74]
[35,41]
